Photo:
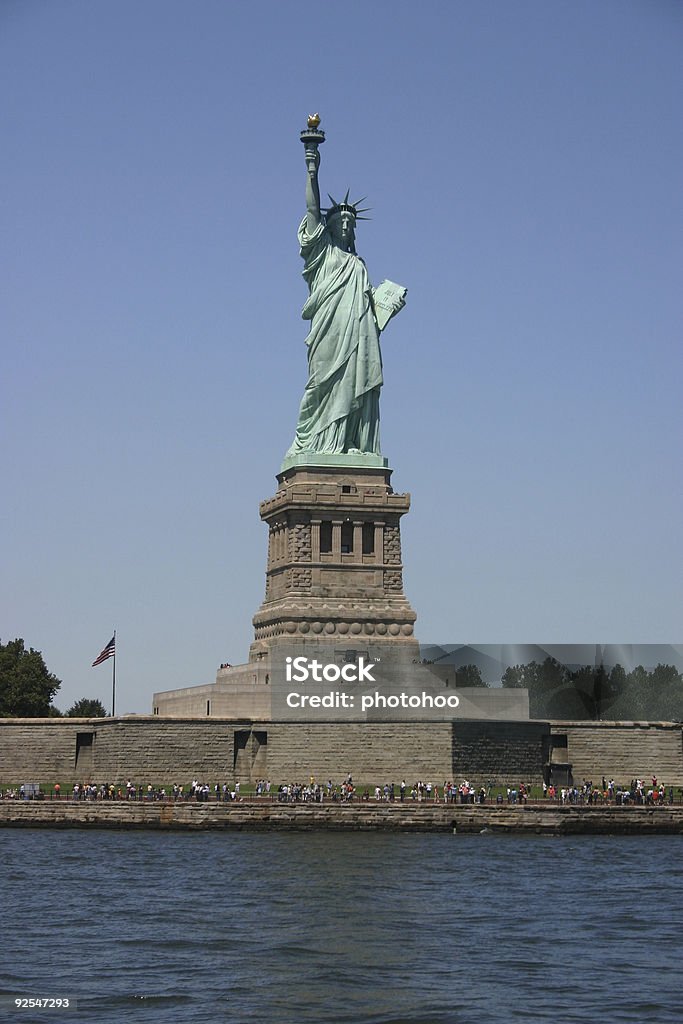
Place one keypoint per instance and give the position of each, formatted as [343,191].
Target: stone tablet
[389,298]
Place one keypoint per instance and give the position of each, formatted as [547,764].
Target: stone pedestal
[335,572]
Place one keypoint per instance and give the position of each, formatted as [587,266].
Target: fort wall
[159,750]
[623,750]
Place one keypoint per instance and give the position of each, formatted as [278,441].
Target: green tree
[665,675]
[469,675]
[526,677]
[86,707]
[634,703]
[584,694]
[617,680]
[666,690]
[513,677]
[26,686]
[649,696]
[551,694]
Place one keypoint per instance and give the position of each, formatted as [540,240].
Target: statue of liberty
[339,411]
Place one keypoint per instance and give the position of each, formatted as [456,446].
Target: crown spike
[345,205]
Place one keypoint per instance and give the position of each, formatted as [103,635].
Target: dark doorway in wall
[85,747]
[241,762]
[259,765]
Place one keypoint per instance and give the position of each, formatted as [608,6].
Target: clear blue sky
[523,161]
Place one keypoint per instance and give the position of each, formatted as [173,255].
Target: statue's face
[348,224]
[344,229]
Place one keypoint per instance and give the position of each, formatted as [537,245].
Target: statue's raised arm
[312,138]
[313,215]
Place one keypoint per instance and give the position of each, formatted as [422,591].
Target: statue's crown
[346,207]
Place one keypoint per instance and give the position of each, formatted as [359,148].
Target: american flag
[108,652]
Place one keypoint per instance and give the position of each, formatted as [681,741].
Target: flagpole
[113,680]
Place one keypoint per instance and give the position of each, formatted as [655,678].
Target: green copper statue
[339,412]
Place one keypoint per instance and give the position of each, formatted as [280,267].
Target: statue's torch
[312,137]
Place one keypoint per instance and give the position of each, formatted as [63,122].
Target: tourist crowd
[389,792]
[608,792]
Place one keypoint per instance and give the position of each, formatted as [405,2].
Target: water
[364,928]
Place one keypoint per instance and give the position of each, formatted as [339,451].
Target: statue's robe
[340,407]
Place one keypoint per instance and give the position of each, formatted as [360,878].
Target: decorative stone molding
[393,580]
[392,544]
[301,542]
[301,579]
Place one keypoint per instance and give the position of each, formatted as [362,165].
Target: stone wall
[153,749]
[502,752]
[148,749]
[37,749]
[623,750]
[371,752]
[159,750]
[358,815]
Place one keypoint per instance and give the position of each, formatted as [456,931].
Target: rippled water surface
[362,928]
